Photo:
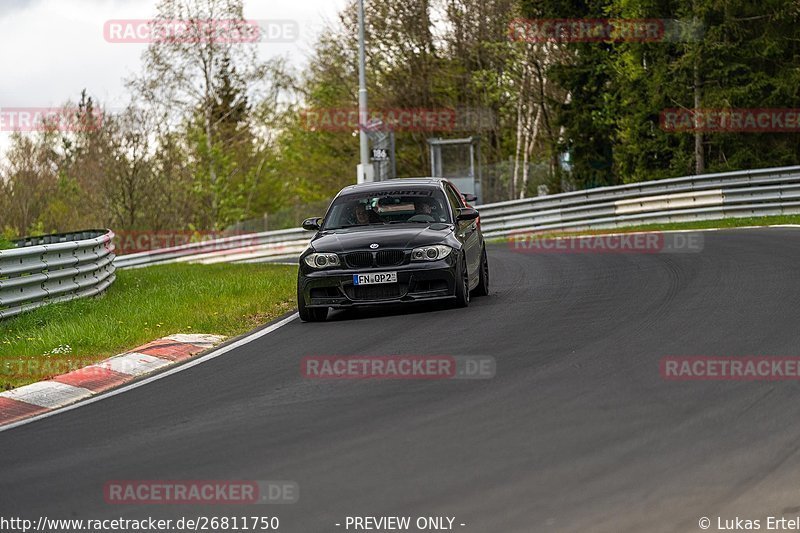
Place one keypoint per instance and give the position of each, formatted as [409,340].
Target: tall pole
[363,170]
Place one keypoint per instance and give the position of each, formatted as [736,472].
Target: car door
[466,232]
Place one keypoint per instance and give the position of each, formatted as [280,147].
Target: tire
[483,284]
[310,314]
[462,284]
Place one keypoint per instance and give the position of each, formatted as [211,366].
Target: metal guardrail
[252,247]
[763,192]
[771,191]
[55,268]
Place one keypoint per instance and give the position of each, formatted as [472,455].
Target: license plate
[375,279]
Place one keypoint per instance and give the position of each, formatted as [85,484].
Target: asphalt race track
[577,432]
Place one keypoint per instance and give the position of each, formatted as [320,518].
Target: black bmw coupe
[404,240]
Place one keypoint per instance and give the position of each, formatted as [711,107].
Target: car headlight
[430,253]
[322,260]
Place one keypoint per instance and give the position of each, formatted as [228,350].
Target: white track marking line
[194,362]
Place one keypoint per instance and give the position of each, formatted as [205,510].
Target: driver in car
[427,209]
[362,216]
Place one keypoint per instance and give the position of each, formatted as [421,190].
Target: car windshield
[406,206]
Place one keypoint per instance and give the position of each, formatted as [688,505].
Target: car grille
[375,292]
[387,258]
[383,258]
[429,285]
[359,259]
[325,292]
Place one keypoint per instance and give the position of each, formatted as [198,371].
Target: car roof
[402,182]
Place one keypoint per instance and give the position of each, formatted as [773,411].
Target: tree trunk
[212,172]
[699,154]
[520,129]
[529,148]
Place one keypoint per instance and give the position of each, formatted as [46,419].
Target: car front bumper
[415,282]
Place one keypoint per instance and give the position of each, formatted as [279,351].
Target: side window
[453,199]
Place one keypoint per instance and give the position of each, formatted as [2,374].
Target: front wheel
[483,284]
[462,284]
[309,314]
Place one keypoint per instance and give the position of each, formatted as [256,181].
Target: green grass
[699,224]
[5,244]
[142,305]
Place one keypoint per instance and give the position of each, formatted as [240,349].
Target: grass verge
[699,224]
[142,305]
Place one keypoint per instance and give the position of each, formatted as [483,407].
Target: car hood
[385,237]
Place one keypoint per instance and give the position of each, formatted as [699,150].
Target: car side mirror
[467,213]
[469,198]
[312,224]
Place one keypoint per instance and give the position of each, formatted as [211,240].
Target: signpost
[382,138]
[365,172]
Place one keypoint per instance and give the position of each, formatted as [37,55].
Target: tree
[183,77]
[30,181]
